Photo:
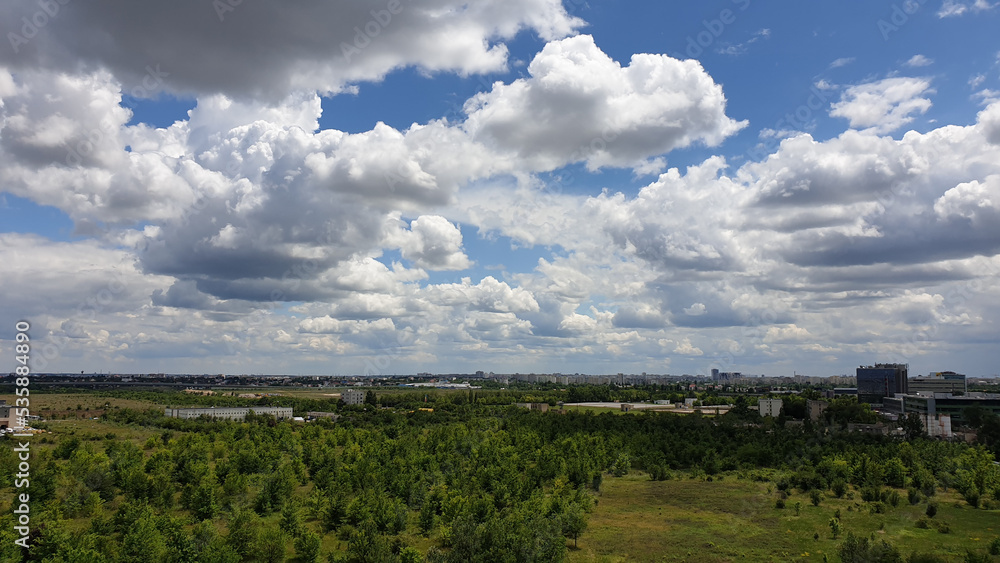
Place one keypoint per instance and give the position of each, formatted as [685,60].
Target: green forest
[473,478]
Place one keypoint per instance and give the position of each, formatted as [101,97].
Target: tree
[143,543]
[367,545]
[307,547]
[290,521]
[203,501]
[574,521]
[243,532]
[426,518]
[271,546]
[710,463]
[815,497]
[835,527]
[371,399]
[895,473]
[334,512]
[913,427]
[278,487]
[622,465]
[595,482]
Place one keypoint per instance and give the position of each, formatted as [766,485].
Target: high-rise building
[881,380]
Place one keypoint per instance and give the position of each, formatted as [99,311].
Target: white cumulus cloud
[885,105]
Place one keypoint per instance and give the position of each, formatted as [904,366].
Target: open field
[735,520]
[334,392]
[601,407]
[63,417]
[58,407]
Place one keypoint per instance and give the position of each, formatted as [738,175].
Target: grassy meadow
[685,519]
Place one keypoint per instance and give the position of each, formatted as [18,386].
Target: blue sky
[576,187]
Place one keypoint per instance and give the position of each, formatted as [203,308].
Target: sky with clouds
[401,186]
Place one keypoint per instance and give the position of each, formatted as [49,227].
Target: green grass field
[735,520]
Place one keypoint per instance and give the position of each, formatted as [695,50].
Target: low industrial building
[320,414]
[228,413]
[931,407]
[839,392]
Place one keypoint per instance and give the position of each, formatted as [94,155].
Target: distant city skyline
[538,186]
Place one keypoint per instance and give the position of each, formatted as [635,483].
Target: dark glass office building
[881,380]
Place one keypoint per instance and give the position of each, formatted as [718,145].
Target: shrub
[863,550]
[913,496]
[931,510]
[346,532]
[894,498]
[839,488]
[816,497]
[622,465]
[972,496]
[780,503]
[410,555]
[995,547]
[659,473]
[923,523]
[870,493]
[975,557]
[924,558]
